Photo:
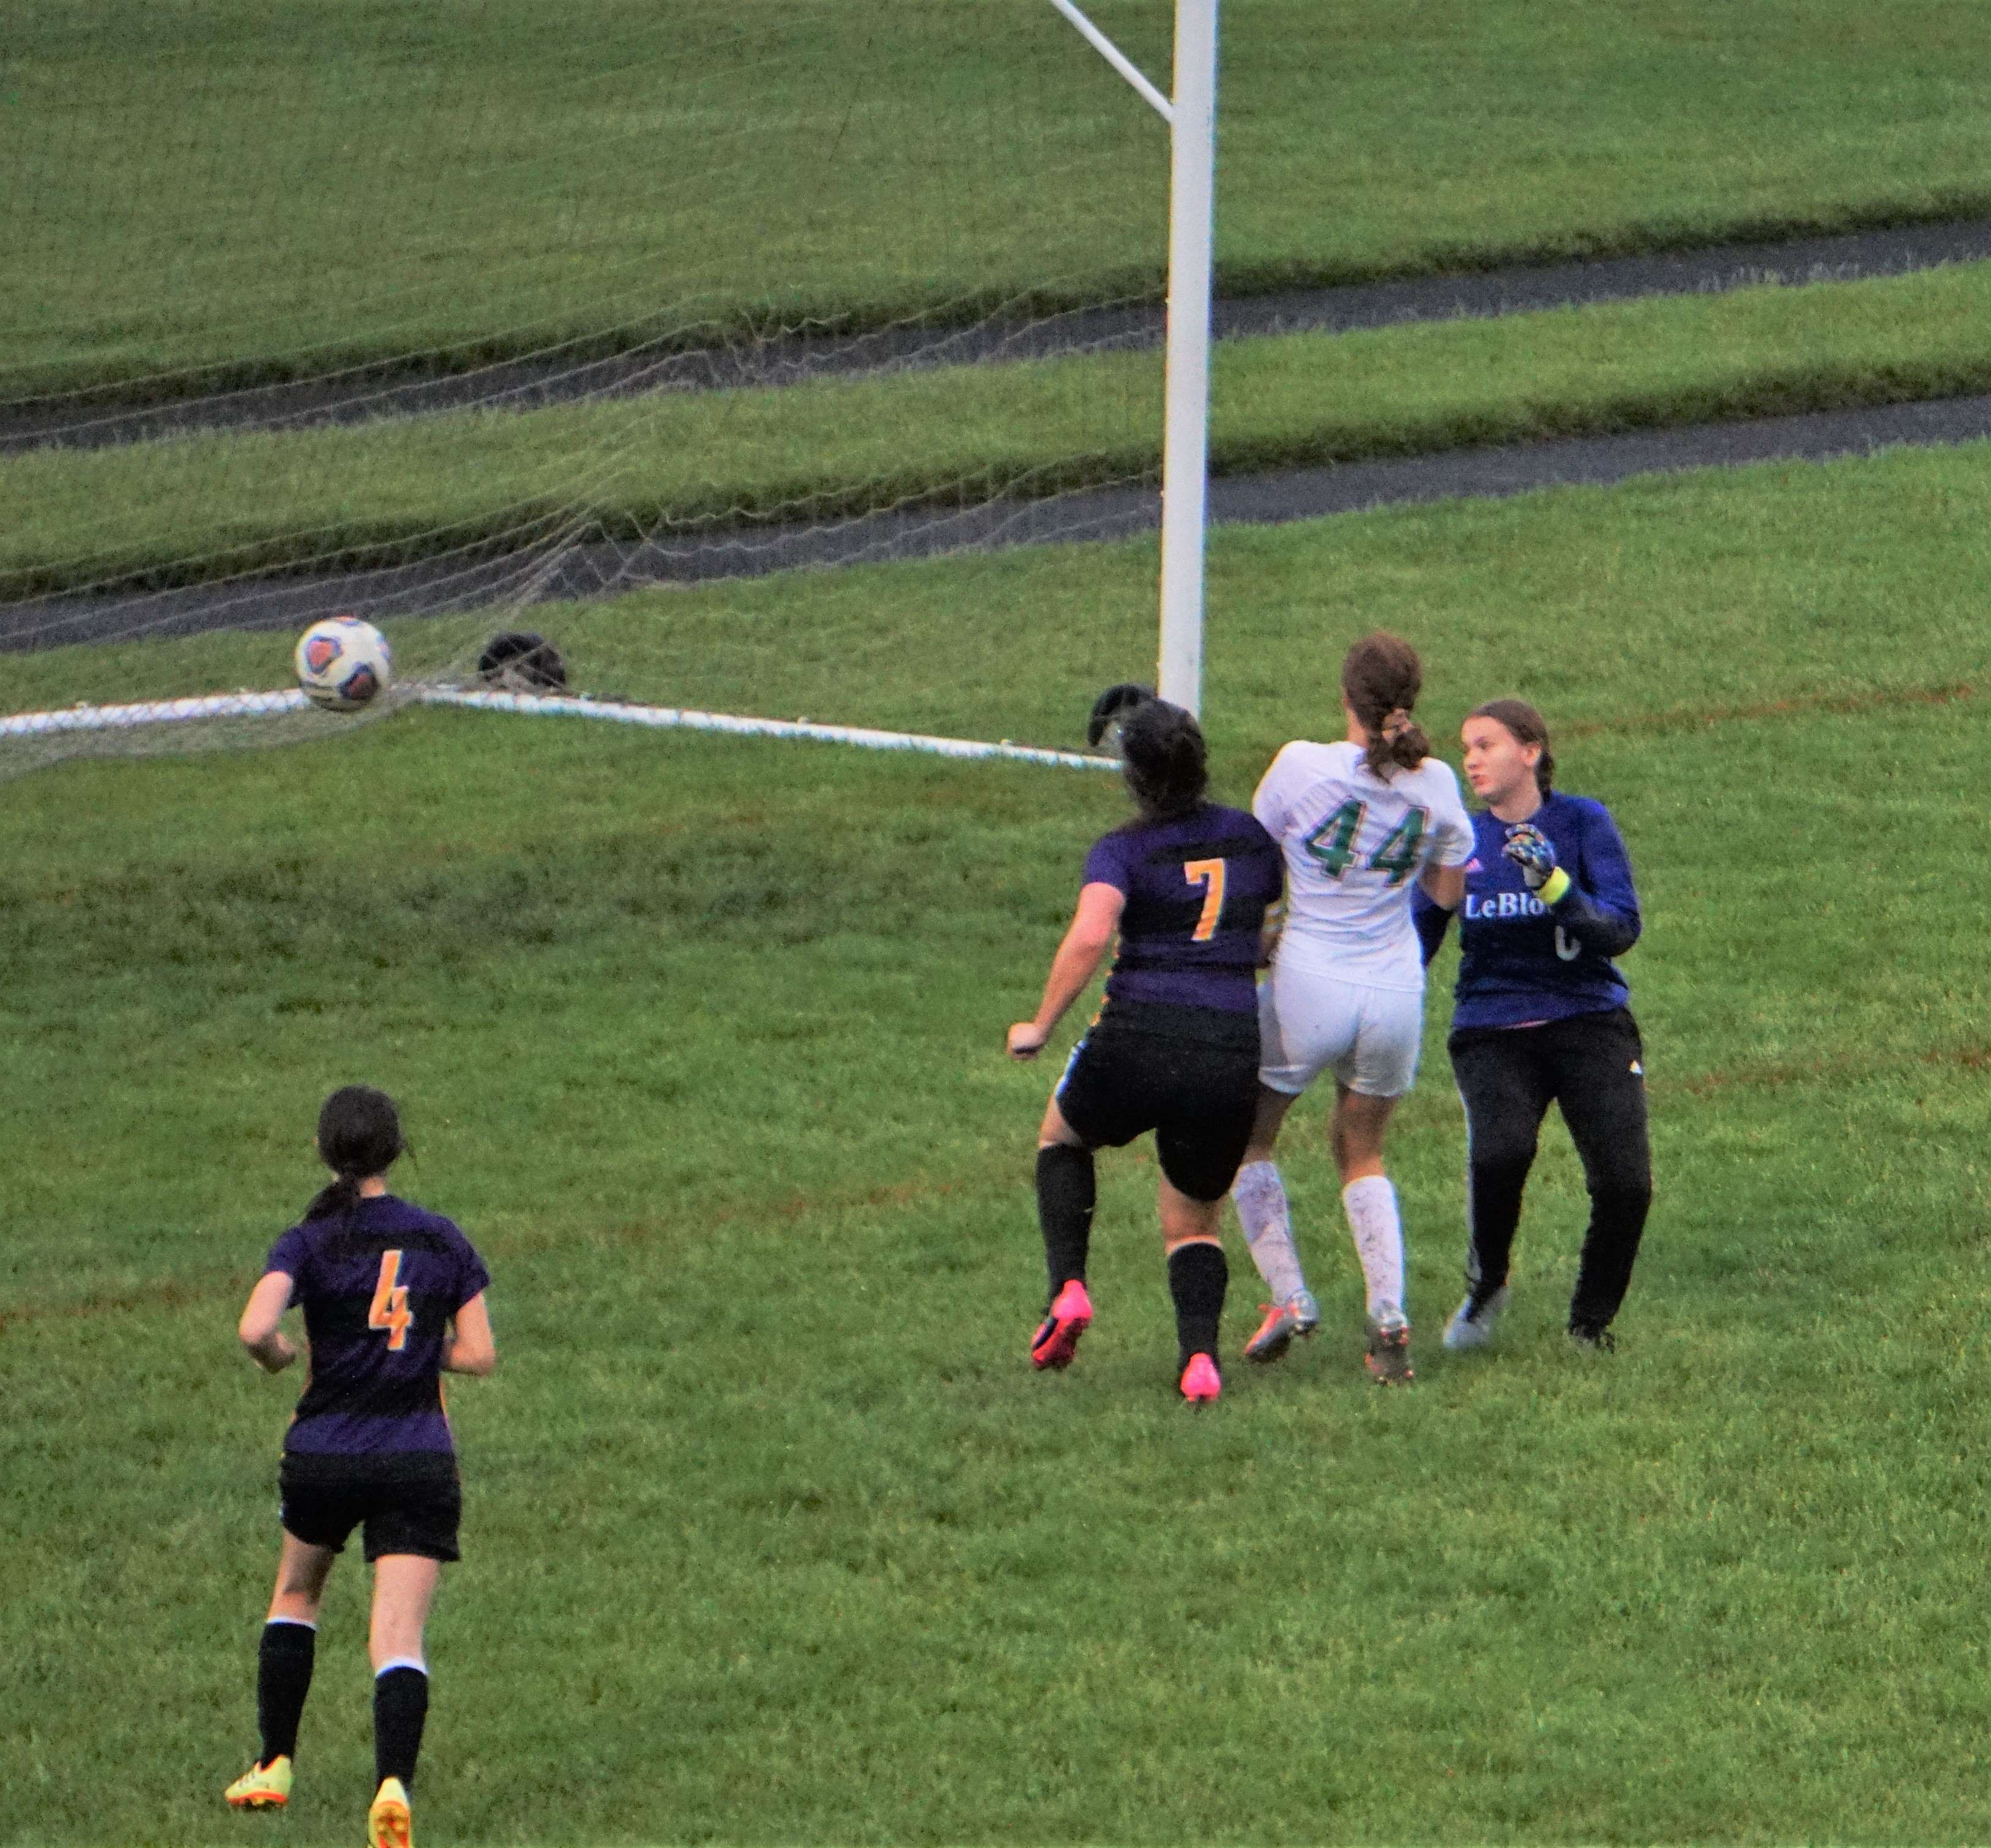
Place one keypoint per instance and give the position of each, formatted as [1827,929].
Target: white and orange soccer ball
[342,663]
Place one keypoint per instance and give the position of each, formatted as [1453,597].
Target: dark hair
[1381,678]
[1165,760]
[1529,727]
[359,1135]
[520,661]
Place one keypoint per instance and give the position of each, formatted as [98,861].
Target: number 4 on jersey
[391,1303]
[1332,844]
[1397,856]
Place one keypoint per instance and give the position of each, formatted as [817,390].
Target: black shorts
[1199,1097]
[409,1503]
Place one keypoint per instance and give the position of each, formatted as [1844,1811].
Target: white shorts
[1309,1022]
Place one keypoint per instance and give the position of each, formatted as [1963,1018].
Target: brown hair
[1529,727]
[1165,759]
[1381,678]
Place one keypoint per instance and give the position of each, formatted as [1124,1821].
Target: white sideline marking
[256,705]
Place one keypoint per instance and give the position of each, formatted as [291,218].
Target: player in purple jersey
[1175,1048]
[1540,1018]
[392,1299]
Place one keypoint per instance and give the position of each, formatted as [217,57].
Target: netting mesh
[485,319]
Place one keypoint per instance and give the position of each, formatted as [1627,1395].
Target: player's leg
[404,1585]
[1505,1084]
[1377,1071]
[409,1535]
[1600,1087]
[1360,1123]
[285,1655]
[1097,1104]
[1259,1193]
[1199,1276]
[1303,1027]
[1206,1106]
[1066,1193]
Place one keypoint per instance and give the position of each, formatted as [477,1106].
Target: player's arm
[1270,931]
[1444,885]
[258,1330]
[1441,886]
[1602,913]
[1271,802]
[470,1346]
[1432,921]
[1441,879]
[1086,940]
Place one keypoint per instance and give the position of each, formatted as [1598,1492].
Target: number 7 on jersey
[1208,874]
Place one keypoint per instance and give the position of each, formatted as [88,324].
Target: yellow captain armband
[1555,888]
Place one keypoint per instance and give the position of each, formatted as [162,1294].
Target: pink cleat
[1200,1381]
[1070,1316]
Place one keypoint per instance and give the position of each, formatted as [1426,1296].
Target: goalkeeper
[1540,1018]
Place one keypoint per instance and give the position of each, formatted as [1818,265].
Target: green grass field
[773,1536]
[275,188]
[203,508]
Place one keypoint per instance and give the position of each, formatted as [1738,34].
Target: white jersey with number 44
[1354,842]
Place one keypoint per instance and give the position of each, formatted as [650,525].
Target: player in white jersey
[1359,822]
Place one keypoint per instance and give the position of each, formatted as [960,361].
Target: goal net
[753,357]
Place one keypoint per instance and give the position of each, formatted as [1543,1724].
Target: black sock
[282,1678]
[401,1705]
[1065,1197]
[1197,1277]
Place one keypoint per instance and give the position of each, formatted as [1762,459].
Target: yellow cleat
[262,1786]
[387,1822]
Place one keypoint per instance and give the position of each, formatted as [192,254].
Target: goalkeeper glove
[1531,850]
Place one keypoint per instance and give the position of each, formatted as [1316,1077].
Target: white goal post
[1192,119]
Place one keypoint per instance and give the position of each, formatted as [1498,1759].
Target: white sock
[1371,1206]
[1261,1198]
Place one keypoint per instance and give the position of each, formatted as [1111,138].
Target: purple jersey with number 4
[1197,891]
[377,1289]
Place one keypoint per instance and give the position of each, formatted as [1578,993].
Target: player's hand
[1027,1039]
[1531,850]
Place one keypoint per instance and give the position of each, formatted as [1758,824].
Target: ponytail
[1380,679]
[1400,743]
[1164,760]
[342,1198]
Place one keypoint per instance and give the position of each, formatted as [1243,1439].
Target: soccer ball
[342,663]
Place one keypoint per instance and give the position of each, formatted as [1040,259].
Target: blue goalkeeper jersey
[1521,961]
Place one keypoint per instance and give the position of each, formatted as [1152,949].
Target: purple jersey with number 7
[1197,890]
[377,1288]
